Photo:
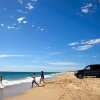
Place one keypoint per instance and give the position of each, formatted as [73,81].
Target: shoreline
[18,89]
[64,86]
[15,78]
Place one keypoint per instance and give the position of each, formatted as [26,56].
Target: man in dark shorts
[34,80]
[42,77]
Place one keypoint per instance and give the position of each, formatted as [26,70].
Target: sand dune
[64,87]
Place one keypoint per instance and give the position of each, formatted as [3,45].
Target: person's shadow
[1,94]
[43,85]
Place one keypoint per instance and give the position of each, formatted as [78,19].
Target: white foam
[1,86]
[16,82]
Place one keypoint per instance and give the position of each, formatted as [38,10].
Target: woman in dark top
[42,77]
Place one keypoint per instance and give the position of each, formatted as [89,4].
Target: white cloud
[84,45]
[10,55]
[2,25]
[74,43]
[92,41]
[41,28]
[33,26]
[24,9]
[20,19]
[86,8]
[11,27]
[25,22]
[82,48]
[62,63]
[29,6]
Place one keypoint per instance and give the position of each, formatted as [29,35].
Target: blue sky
[50,35]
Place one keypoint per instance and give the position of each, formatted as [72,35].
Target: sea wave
[20,81]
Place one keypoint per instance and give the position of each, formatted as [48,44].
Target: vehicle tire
[80,76]
[98,76]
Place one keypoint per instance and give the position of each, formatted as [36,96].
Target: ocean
[14,78]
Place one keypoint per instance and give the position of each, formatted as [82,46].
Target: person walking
[34,80]
[42,77]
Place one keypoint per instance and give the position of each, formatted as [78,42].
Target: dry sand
[64,87]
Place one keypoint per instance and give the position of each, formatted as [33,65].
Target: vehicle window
[88,68]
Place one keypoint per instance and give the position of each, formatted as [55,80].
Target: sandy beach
[64,87]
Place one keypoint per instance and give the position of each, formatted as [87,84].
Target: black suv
[90,70]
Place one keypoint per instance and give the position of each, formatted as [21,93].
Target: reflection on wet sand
[1,94]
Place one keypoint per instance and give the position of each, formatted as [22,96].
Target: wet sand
[14,90]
